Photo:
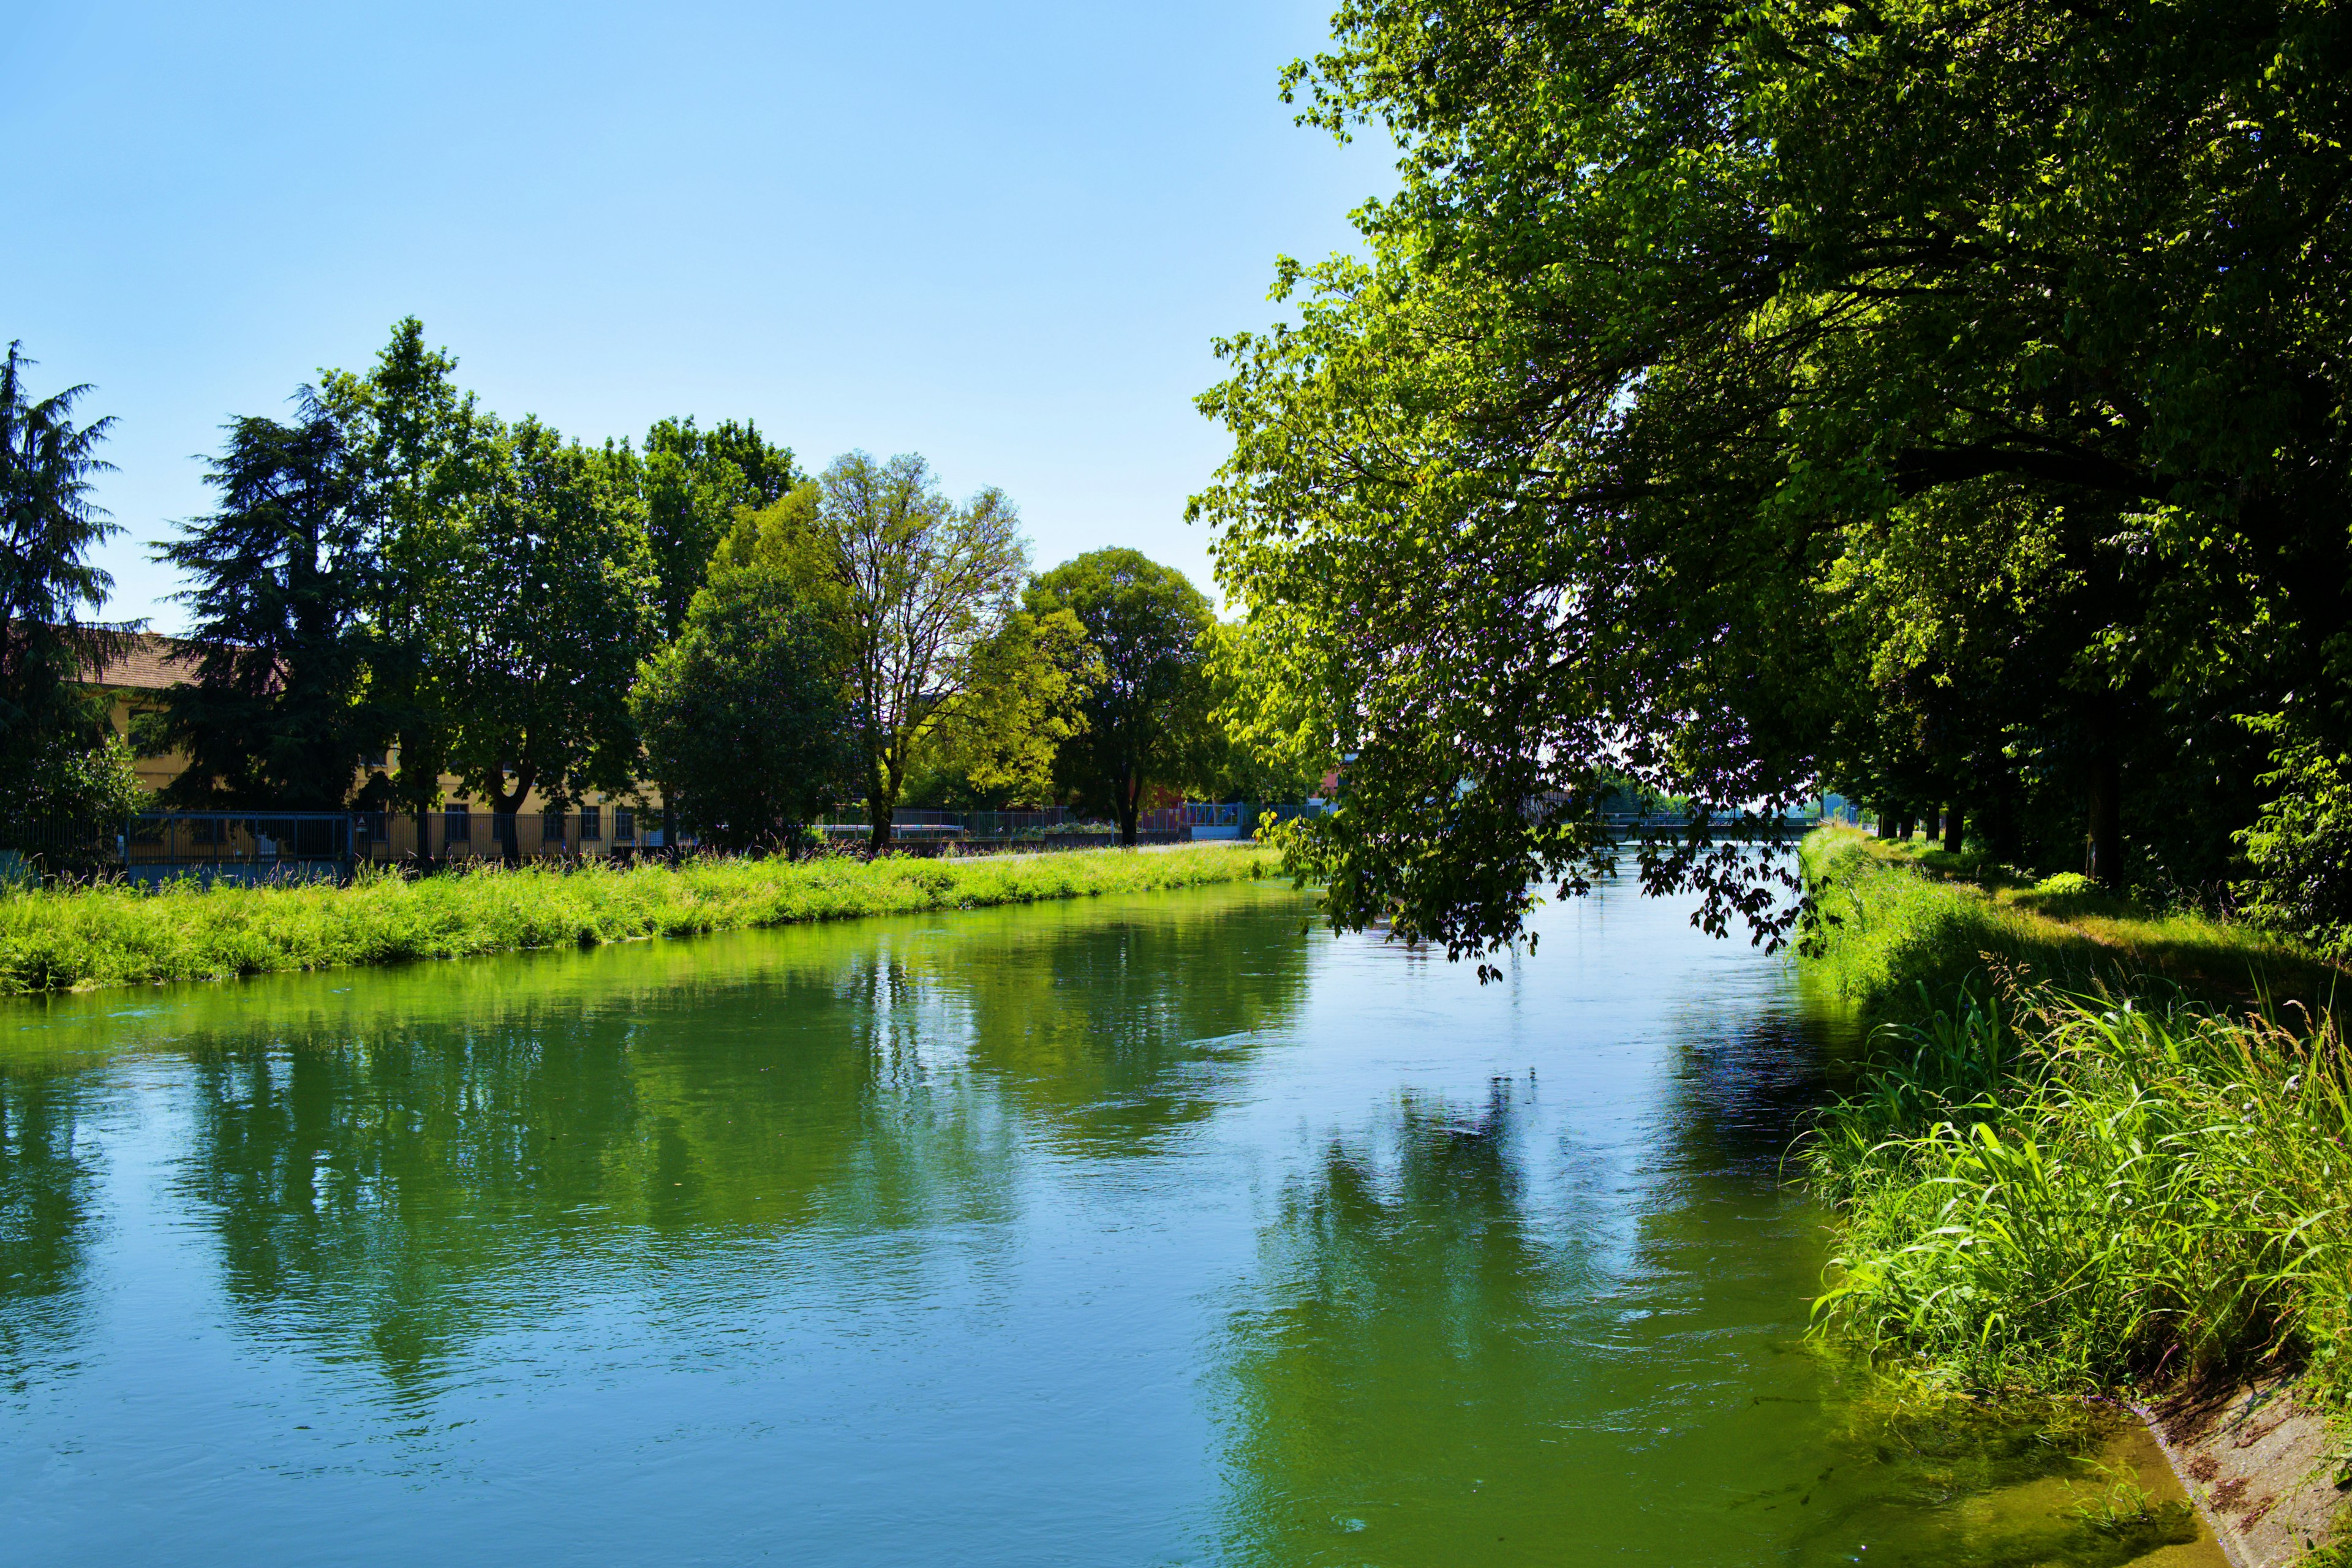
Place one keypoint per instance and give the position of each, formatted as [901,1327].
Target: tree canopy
[1145,716]
[743,714]
[1922,396]
[276,713]
[50,591]
[927,585]
[556,587]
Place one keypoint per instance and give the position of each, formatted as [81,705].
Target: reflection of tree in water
[396,1189]
[419,1188]
[47,1182]
[1112,1031]
[1390,1377]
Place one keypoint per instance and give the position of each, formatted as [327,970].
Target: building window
[459,825]
[551,826]
[625,825]
[592,824]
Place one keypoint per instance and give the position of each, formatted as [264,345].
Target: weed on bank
[2090,1149]
[70,938]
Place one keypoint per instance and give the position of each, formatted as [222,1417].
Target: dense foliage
[1939,401]
[1145,718]
[48,593]
[743,716]
[275,711]
[400,594]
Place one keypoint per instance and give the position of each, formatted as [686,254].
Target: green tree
[277,714]
[695,483]
[1146,718]
[554,584]
[927,586]
[744,715]
[48,592]
[422,450]
[1024,704]
[1670,316]
[48,600]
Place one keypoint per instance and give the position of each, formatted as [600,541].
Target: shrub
[2300,851]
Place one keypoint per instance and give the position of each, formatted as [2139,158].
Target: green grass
[2094,1146]
[2086,1193]
[1907,928]
[113,935]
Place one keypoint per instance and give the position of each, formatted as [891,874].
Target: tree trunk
[1903,825]
[1130,808]
[2001,820]
[1951,830]
[2102,859]
[880,808]
[506,803]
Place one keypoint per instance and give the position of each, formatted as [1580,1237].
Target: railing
[454,835]
[287,846]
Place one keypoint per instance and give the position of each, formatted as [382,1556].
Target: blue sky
[1001,236]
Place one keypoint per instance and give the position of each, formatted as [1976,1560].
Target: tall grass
[2093,1144]
[56,940]
[2066,1191]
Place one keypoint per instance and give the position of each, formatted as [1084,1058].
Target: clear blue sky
[1001,236]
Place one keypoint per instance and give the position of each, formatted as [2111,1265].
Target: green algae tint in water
[1148,1231]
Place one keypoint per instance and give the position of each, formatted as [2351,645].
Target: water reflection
[1126,1232]
[399,1168]
[47,1202]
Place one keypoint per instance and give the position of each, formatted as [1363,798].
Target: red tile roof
[149,662]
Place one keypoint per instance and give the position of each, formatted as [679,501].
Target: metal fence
[286,846]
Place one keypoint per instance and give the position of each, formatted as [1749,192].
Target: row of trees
[397,586]
[1942,404]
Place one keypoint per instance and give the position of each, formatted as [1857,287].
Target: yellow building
[150,665]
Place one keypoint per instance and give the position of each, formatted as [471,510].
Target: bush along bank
[58,939]
[2093,1151]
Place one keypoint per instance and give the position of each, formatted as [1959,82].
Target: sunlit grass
[1899,918]
[58,939]
[2071,1192]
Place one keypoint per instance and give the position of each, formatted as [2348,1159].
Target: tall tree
[555,591]
[1669,317]
[927,585]
[277,713]
[1146,718]
[744,715]
[695,483]
[421,449]
[49,590]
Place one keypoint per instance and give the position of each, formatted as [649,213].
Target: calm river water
[1128,1232]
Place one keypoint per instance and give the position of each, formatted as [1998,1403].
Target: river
[1148,1231]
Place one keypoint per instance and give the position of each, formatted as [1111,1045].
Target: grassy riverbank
[2109,1155]
[1902,921]
[71,940]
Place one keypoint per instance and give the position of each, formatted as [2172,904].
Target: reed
[56,940]
[2067,1192]
[2091,1145]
